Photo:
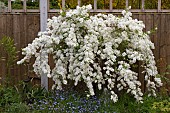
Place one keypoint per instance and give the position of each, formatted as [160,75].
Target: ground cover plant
[100,50]
[71,101]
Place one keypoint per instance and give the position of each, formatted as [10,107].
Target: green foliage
[9,54]
[9,48]
[29,92]
[71,101]
[15,100]
[163,106]
[8,96]
[55,4]
[166,81]
[17,4]
[17,108]
[127,104]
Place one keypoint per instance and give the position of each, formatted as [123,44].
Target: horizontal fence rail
[79,2]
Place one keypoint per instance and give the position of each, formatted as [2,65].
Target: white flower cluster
[99,49]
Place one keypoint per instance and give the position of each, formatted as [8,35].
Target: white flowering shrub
[100,49]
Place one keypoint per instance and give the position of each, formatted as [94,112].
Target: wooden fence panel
[2,54]
[156,36]
[25,27]
[162,46]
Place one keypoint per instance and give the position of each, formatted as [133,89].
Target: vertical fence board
[162,46]
[2,55]
[23,40]
[36,25]
[156,38]
[167,36]
[135,16]
[3,25]
[140,69]
[149,22]
[9,25]
[168,47]
[16,36]
[30,38]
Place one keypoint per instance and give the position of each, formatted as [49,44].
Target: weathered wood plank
[162,46]
[156,38]
[168,46]
[140,69]
[9,25]
[3,68]
[23,40]
[16,36]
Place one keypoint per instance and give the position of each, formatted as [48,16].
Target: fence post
[43,26]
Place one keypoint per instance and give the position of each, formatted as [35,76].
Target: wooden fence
[23,28]
[23,25]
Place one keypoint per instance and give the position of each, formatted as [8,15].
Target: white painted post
[43,26]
